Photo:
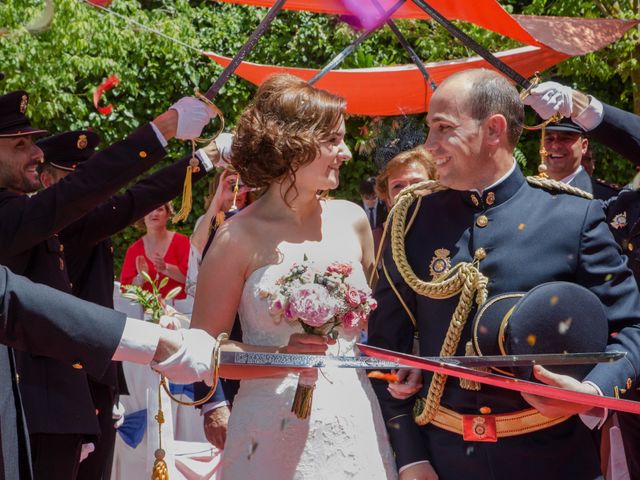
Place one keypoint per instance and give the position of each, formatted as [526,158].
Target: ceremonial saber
[407,46]
[339,58]
[473,45]
[294,360]
[501,381]
[245,50]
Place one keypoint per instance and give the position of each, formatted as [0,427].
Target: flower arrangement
[152,301]
[321,302]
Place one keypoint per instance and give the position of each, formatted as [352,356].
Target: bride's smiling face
[323,172]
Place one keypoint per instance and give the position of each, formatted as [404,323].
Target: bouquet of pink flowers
[322,302]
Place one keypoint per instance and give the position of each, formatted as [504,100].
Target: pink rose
[312,304]
[350,319]
[353,297]
[372,303]
[343,269]
[288,312]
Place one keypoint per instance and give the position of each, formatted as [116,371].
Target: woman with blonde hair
[160,252]
[290,141]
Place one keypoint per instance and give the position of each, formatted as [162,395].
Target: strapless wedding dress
[345,436]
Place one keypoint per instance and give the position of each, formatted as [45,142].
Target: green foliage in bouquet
[152,301]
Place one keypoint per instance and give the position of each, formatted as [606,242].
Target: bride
[290,141]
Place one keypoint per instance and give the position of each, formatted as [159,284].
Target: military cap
[554,317]
[65,150]
[564,125]
[13,122]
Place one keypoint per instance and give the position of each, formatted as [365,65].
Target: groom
[519,236]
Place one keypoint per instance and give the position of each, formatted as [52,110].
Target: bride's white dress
[345,436]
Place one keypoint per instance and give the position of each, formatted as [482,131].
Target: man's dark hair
[367,186]
[491,93]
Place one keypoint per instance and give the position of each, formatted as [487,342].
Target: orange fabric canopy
[396,90]
[485,13]
[573,36]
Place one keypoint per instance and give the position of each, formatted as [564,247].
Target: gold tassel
[302,400]
[160,470]
[194,167]
[470,384]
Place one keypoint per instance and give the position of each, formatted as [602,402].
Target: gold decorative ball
[159,454]
[542,168]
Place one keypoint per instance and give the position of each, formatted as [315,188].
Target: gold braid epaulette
[464,278]
[550,184]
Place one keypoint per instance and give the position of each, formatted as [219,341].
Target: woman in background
[160,252]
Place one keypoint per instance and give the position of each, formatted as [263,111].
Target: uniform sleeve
[391,327]
[129,270]
[620,131]
[604,271]
[123,210]
[29,220]
[43,321]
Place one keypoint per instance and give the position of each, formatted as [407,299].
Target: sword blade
[293,360]
[290,360]
[502,381]
[530,360]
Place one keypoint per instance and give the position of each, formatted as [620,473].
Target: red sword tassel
[502,381]
[107,84]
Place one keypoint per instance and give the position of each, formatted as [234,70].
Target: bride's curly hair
[281,130]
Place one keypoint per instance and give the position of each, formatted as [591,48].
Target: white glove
[549,98]
[192,362]
[193,116]
[223,143]
[117,414]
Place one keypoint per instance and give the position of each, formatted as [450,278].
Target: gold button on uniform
[482,221]
[630,247]
[491,198]
[77,366]
[475,200]
[143,154]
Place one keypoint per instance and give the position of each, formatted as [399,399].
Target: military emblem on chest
[440,263]
[619,221]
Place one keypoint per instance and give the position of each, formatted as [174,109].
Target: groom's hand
[420,471]
[409,383]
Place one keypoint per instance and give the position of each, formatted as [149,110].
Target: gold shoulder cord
[464,278]
[550,184]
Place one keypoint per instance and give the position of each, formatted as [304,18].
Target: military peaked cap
[13,121]
[66,150]
[555,317]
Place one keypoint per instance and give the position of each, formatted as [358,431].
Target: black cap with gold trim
[13,121]
[554,317]
[66,150]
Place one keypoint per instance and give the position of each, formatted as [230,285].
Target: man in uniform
[502,234]
[620,131]
[56,398]
[564,147]
[46,322]
[88,253]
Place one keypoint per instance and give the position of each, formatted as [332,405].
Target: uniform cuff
[591,116]
[207,407]
[161,139]
[138,343]
[204,160]
[595,417]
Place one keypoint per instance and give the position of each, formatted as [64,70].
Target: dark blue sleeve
[604,271]
[620,131]
[201,390]
[391,327]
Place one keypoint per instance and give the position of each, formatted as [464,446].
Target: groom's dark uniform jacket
[530,236]
[40,320]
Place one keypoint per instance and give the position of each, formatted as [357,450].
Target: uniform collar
[498,193]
